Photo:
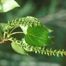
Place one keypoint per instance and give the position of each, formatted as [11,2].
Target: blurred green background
[53,14]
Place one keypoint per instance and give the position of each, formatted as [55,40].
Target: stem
[14,33]
[13,29]
[4,40]
[4,35]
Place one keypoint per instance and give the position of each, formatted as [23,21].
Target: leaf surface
[7,5]
[37,36]
[18,47]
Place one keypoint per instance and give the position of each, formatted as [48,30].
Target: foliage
[28,34]
[7,5]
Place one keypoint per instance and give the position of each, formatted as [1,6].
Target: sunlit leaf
[7,5]
[37,36]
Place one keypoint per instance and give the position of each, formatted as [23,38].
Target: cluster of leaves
[26,35]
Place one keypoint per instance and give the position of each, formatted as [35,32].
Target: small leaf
[18,48]
[37,36]
[7,5]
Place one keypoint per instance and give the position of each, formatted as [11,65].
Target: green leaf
[18,47]
[37,36]
[7,5]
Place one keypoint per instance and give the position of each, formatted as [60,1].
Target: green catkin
[25,21]
[31,21]
[44,50]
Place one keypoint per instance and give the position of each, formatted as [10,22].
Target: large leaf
[37,36]
[7,5]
